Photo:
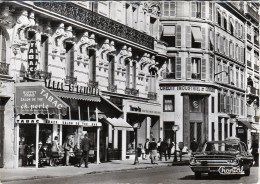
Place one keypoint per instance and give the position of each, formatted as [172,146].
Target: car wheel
[197,175]
[247,172]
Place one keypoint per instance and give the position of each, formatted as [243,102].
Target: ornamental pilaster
[108,48]
[125,53]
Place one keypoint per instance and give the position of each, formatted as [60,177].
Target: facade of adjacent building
[108,68]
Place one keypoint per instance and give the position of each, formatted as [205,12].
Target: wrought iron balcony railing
[169,75]
[152,95]
[92,84]
[195,76]
[131,91]
[85,16]
[256,67]
[70,80]
[112,87]
[253,13]
[4,68]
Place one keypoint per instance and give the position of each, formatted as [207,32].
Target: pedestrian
[67,145]
[254,152]
[159,148]
[54,151]
[153,150]
[146,148]
[194,145]
[169,148]
[163,149]
[85,145]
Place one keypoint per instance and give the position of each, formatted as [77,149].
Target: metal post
[98,141]
[136,154]
[17,143]
[175,151]
[37,146]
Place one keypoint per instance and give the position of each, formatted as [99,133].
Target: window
[92,65]
[70,59]
[168,103]
[127,65]
[44,53]
[231,75]
[212,104]
[169,8]
[230,129]
[212,131]
[170,68]
[196,103]
[152,81]
[211,41]
[242,106]
[219,18]
[225,129]
[219,102]
[225,23]
[242,79]
[134,75]
[231,28]
[169,35]
[135,17]
[111,70]
[237,77]
[196,38]
[153,26]
[195,68]
[196,9]
[219,130]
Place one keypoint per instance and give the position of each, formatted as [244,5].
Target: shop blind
[188,69]
[178,68]
[203,44]
[178,36]
[203,69]
[188,36]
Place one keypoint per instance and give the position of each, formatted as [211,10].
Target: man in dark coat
[163,149]
[194,145]
[85,145]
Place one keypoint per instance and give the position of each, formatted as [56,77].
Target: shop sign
[29,121]
[191,88]
[37,100]
[142,110]
[32,58]
[240,131]
[60,86]
[72,122]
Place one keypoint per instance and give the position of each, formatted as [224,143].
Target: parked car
[229,157]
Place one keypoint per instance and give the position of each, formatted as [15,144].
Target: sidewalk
[66,171]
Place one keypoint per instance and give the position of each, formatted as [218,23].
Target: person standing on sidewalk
[169,148]
[159,148]
[85,145]
[153,150]
[67,145]
[194,145]
[146,148]
[163,149]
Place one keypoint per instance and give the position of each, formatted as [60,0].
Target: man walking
[85,145]
[194,145]
[146,148]
[153,150]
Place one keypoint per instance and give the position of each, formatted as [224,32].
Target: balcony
[195,76]
[249,63]
[256,67]
[252,12]
[4,68]
[112,88]
[90,18]
[92,84]
[132,91]
[70,80]
[152,95]
[169,75]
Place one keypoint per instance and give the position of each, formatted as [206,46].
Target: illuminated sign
[32,58]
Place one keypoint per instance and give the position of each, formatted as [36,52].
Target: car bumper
[213,169]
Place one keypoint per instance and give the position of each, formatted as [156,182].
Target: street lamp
[136,126]
[175,128]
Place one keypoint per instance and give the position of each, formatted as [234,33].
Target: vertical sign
[32,58]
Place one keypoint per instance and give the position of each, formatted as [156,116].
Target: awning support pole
[69,113]
[17,143]
[88,113]
[98,142]
[37,146]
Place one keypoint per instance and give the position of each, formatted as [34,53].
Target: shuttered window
[188,36]
[227,45]
[203,69]
[227,104]
[188,68]
[178,68]
[3,47]
[211,69]
[203,44]
[210,11]
[203,10]
[178,36]
[242,106]
[242,55]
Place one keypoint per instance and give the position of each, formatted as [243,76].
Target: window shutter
[178,36]
[227,105]
[203,9]
[227,47]
[194,9]
[224,74]
[188,36]
[210,11]
[166,8]
[211,71]
[172,9]
[160,31]
[203,44]
[178,68]
[217,42]
[239,54]
[242,55]
[188,69]
[203,69]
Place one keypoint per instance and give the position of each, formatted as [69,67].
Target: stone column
[228,127]
[223,128]
[123,155]
[148,127]
[98,143]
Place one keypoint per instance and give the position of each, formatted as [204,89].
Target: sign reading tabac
[38,100]
[32,58]
[191,88]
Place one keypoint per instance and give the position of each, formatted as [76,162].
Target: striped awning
[77,96]
[119,124]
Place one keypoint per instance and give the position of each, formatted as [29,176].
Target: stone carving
[85,41]
[152,7]
[6,17]
[108,48]
[125,53]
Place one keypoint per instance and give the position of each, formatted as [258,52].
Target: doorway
[196,132]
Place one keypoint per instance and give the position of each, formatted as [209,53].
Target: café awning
[119,124]
[77,96]
[34,99]
[197,35]
[248,125]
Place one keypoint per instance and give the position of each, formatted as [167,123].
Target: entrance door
[196,132]
[1,136]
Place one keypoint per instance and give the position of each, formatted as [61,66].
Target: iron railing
[112,88]
[132,91]
[152,95]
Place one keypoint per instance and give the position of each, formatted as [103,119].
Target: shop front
[43,116]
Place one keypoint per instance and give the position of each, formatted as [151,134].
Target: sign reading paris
[32,58]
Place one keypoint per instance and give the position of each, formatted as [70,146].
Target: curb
[86,173]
